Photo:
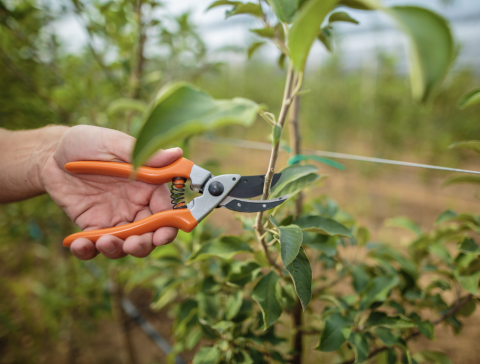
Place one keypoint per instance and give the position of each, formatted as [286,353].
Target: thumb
[164,157]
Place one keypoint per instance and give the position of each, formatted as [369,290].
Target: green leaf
[377,290]
[468,309]
[325,36]
[335,332]
[469,144]
[253,47]
[391,356]
[184,110]
[461,179]
[360,278]
[125,104]
[356,4]
[360,346]
[435,357]
[244,275]
[233,305]
[207,355]
[445,216]
[323,225]
[294,179]
[291,238]
[276,356]
[468,245]
[267,294]
[276,134]
[225,247]
[431,49]
[470,98]
[245,8]
[426,328]
[403,223]
[284,9]
[377,318]
[342,16]
[301,157]
[224,2]
[386,335]
[264,32]
[470,283]
[305,28]
[441,252]
[301,273]
[223,326]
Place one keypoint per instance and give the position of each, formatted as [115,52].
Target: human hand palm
[97,202]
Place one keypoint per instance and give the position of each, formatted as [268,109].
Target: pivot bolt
[215,188]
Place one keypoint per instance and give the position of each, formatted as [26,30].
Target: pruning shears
[229,190]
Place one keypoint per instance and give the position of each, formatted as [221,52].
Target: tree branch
[458,305]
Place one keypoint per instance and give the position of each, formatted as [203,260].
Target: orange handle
[180,168]
[181,219]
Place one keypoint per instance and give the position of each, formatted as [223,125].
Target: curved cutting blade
[242,205]
[251,186]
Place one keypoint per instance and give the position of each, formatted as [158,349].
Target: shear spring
[177,193]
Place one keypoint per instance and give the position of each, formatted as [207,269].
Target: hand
[97,202]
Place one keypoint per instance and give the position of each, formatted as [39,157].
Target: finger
[161,199]
[83,249]
[110,246]
[164,235]
[139,246]
[165,157]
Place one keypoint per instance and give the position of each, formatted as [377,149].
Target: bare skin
[31,163]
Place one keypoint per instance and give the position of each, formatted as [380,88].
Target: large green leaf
[207,355]
[183,110]
[467,144]
[267,294]
[301,273]
[305,28]
[225,247]
[360,346]
[377,290]
[291,238]
[461,179]
[431,47]
[470,98]
[334,333]
[294,179]
[284,9]
[323,225]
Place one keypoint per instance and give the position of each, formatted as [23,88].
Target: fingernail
[138,249]
[109,248]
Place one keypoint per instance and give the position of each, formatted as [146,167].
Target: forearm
[22,157]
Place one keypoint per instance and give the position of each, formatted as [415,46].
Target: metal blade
[242,205]
[251,186]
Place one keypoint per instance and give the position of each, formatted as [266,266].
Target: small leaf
[435,357]
[244,275]
[445,216]
[245,8]
[183,110]
[468,309]
[225,247]
[284,9]
[291,238]
[305,28]
[470,283]
[276,356]
[360,346]
[125,104]
[342,16]
[207,355]
[403,223]
[468,245]
[469,144]
[281,60]
[253,47]
[360,278]
[377,290]
[426,328]
[233,305]
[461,179]
[391,356]
[325,36]
[264,32]
[301,157]
[386,335]
[267,294]
[223,326]
[276,134]
[301,273]
[294,179]
[224,2]
[356,4]
[377,318]
[470,98]
[431,51]
[335,332]
[323,225]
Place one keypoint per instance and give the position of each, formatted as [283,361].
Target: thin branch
[458,305]
[327,286]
